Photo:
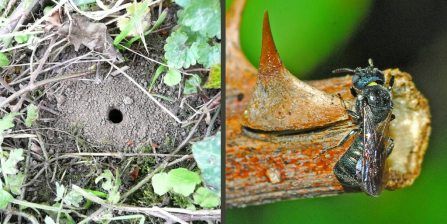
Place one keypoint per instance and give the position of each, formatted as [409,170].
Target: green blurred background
[315,38]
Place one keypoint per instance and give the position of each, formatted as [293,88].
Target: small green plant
[183,182]
[207,155]
[4,61]
[194,39]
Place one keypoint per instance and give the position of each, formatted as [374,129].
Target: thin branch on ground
[210,126]
[127,208]
[30,217]
[41,83]
[116,154]
[185,157]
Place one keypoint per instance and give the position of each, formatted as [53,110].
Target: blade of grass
[157,73]
[163,97]
[160,20]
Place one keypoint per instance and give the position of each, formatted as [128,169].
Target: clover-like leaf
[160,183]
[206,198]
[207,154]
[173,77]
[204,16]
[183,181]
[178,53]
[208,55]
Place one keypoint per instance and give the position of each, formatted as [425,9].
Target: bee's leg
[390,147]
[391,83]
[341,142]
[350,112]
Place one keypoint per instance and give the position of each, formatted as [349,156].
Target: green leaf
[114,194]
[107,185]
[204,16]
[160,183]
[191,207]
[6,122]
[8,166]
[191,84]
[183,3]
[160,20]
[21,38]
[173,77]
[31,115]
[193,36]
[60,189]
[4,61]
[82,2]
[5,198]
[49,220]
[15,183]
[157,73]
[183,181]
[214,80]
[207,154]
[131,24]
[73,198]
[206,198]
[208,55]
[178,53]
[47,9]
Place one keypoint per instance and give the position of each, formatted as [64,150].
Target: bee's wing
[374,168]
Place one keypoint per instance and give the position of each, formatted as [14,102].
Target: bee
[365,165]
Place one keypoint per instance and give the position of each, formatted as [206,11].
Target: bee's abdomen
[345,168]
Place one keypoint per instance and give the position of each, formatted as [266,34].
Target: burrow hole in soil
[115,116]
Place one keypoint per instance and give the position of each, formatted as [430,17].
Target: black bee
[364,165]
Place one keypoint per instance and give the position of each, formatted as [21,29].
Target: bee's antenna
[340,70]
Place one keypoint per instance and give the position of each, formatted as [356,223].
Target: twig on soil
[12,211]
[191,133]
[41,83]
[10,89]
[185,157]
[42,62]
[116,154]
[151,211]
[23,190]
[42,145]
[198,70]
[210,126]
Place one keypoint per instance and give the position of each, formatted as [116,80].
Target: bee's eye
[355,79]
